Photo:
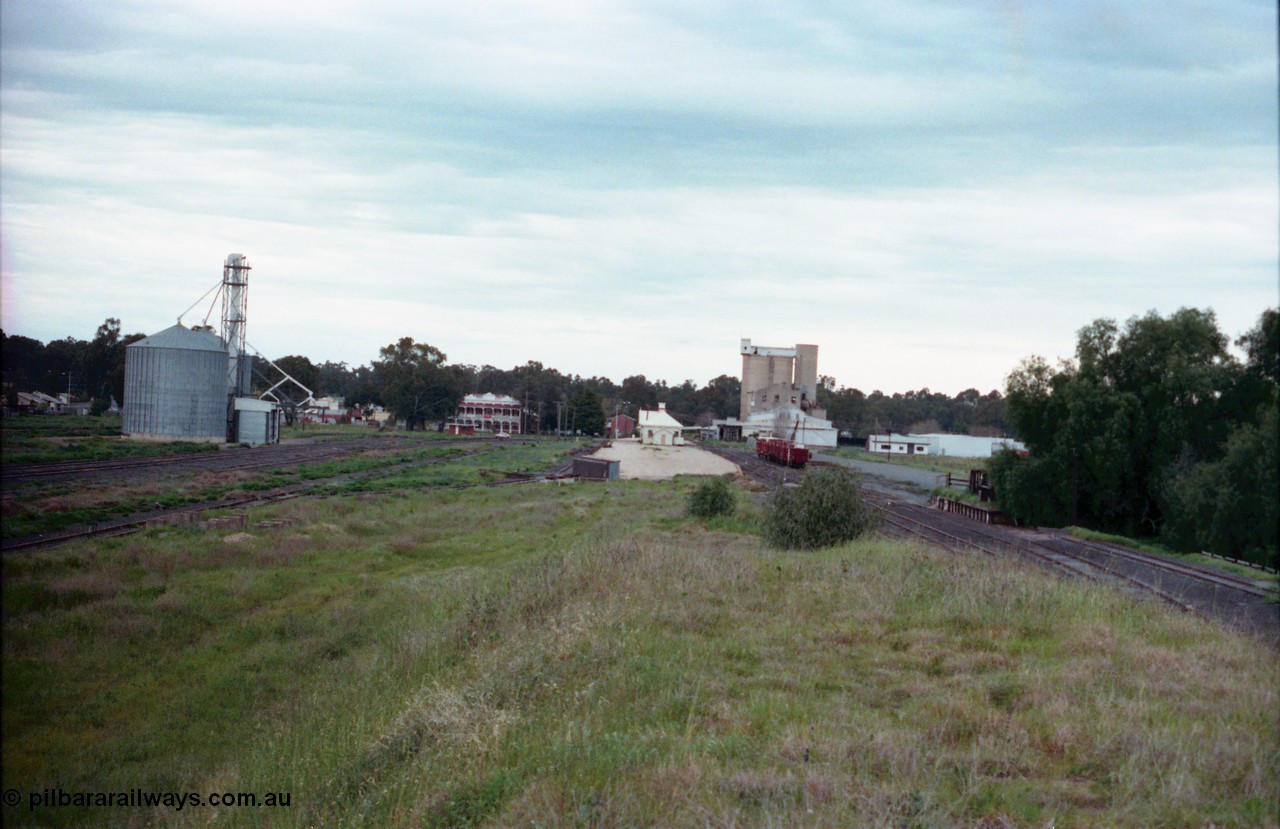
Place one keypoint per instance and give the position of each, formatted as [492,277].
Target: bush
[825,510]
[712,497]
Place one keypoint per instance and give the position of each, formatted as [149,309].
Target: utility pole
[559,418]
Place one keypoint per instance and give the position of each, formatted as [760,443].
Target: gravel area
[886,471]
[660,463]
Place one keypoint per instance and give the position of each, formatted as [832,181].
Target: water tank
[175,386]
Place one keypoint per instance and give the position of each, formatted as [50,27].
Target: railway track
[186,513]
[1245,603]
[220,461]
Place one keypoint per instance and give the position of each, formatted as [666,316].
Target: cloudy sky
[929,191]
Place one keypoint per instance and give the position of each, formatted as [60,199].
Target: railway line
[219,461]
[1242,602]
[190,512]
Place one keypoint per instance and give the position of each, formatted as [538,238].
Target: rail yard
[1245,603]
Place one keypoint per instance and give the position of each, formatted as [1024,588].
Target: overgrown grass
[931,463]
[584,655]
[54,438]
[1148,546]
[474,468]
[38,512]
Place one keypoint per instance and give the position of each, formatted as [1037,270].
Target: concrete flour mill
[191,384]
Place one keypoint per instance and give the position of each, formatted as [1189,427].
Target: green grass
[474,468]
[1148,546]
[40,511]
[61,425]
[49,439]
[931,463]
[586,655]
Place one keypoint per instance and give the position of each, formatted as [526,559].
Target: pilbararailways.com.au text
[58,797]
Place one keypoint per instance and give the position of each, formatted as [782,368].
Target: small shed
[596,469]
[257,421]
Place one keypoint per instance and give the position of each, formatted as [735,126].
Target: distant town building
[490,413]
[956,446]
[657,428]
[778,378]
[779,397]
[620,426]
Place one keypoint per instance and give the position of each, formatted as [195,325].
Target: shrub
[825,510]
[712,497]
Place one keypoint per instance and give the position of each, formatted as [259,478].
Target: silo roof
[179,336]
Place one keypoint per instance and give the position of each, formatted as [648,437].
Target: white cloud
[612,190]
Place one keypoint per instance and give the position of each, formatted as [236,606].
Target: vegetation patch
[828,508]
[711,498]
[556,656]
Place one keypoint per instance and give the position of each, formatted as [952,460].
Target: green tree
[301,369]
[415,384]
[1137,409]
[587,413]
[1228,505]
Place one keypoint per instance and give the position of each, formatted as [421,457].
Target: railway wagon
[783,451]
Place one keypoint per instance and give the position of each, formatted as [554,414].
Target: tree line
[1153,429]
[417,383]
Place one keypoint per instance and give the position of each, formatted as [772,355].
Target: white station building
[657,428]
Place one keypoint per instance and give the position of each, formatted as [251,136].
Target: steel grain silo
[175,386]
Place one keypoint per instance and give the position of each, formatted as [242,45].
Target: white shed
[657,428]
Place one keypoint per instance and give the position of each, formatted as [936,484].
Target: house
[491,413]
[620,426]
[38,401]
[657,428]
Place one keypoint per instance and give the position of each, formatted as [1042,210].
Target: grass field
[57,507]
[53,438]
[586,656]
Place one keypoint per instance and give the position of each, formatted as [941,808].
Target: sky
[928,191]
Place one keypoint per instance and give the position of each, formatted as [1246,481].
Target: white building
[657,428]
[810,431]
[956,446]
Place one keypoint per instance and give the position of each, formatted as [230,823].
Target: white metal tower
[235,303]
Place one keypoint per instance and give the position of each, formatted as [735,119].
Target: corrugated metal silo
[175,386]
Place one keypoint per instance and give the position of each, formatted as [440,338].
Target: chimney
[662,407]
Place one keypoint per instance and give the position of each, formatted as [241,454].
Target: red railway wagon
[783,451]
